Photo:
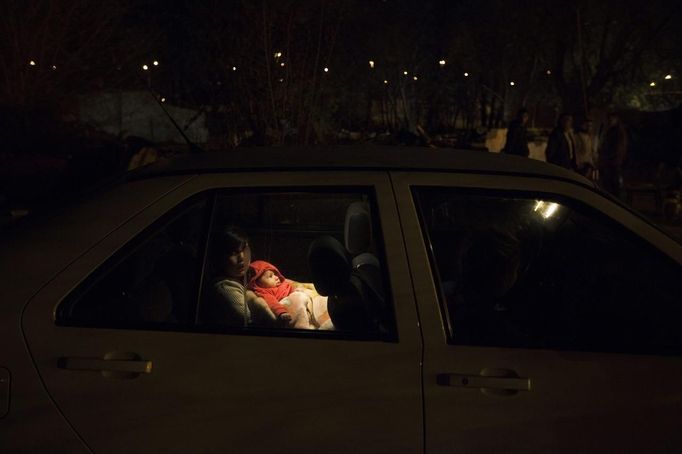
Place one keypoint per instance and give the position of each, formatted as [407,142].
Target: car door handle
[108,365]
[116,364]
[489,379]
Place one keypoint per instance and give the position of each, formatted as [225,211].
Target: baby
[287,301]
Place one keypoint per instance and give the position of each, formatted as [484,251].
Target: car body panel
[358,158]
[578,402]
[30,258]
[209,392]
[214,392]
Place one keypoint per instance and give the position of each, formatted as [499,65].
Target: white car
[464,302]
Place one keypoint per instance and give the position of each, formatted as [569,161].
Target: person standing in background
[612,155]
[517,135]
[585,159]
[561,144]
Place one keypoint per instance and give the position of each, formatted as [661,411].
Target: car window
[316,264]
[521,271]
[270,262]
[152,282]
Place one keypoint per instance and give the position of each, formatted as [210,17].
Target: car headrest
[367,267]
[330,265]
[357,228]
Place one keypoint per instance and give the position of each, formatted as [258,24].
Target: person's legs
[321,314]
[298,308]
[610,180]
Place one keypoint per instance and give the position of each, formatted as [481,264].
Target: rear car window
[275,262]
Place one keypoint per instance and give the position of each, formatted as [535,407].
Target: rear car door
[122,350]
[550,317]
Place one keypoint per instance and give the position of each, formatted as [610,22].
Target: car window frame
[572,204]
[365,190]
[435,325]
[210,185]
[126,252]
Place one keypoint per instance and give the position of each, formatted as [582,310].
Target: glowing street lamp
[278,54]
[145,67]
[32,63]
[652,84]
[405,73]
[326,69]
[466,74]
[385,82]
[512,83]
[155,63]
[163,99]
[54,67]
[281,64]
[371,64]
[668,77]
[234,68]
[441,62]
[549,72]
[415,78]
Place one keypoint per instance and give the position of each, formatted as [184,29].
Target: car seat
[358,239]
[350,276]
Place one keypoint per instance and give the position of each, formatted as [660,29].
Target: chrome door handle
[480,381]
[105,365]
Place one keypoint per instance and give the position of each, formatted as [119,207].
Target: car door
[550,317]
[161,381]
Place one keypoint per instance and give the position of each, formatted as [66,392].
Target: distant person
[561,144]
[517,135]
[289,302]
[585,152]
[612,155]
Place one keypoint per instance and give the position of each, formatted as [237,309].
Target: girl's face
[268,280]
[238,262]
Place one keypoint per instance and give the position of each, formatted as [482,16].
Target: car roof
[356,157]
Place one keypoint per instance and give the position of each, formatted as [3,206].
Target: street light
[415,78]
[405,73]
[371,64]
[234,68]
[278,54]
[441,62]
[549,72]
[163,99]
[668,77]
[652,84]
[326,69]
[512,83]
[32,63]
[145,67]
[466,74]
[155,63]
[385,82]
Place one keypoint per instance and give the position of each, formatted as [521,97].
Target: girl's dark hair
[227,240]
[230,239]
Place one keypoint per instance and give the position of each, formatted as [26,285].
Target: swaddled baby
[287,301]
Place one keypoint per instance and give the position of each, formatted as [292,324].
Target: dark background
[442,73]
